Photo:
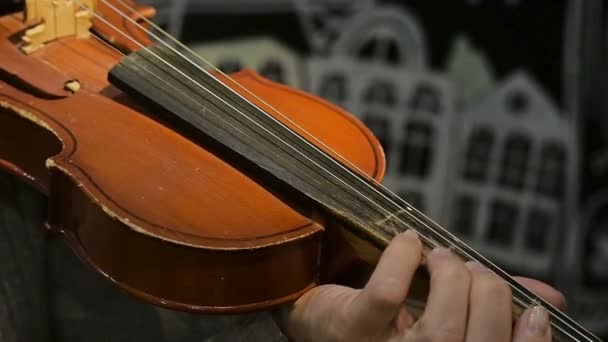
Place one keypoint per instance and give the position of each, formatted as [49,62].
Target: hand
[466,303]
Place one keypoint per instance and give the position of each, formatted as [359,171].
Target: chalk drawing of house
[511,169]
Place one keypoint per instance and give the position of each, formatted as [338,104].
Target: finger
[377,304]
[533,326]
[490,306]
[445,314]
[545,291]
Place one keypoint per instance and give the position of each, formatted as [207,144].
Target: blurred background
[492,114]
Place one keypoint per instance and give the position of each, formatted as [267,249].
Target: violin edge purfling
[164,265]
[251,277]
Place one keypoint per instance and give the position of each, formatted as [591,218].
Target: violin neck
[202,108]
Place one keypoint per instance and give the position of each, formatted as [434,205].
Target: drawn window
[393,56]
[380,47]
[465,213]
[425,98]
[550,180]
[368,49]
[318,20]
[229,66]
[333,88]
[517,102]
[380,93]
[515,161]
[273,70]
[414,198]
[380,127]
[538,223]
[501,223]
[478,155]
[416,152]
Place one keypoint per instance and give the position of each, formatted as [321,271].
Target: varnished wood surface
[124,15]
[161,217]
[158,215]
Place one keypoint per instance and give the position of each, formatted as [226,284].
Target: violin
[189,188]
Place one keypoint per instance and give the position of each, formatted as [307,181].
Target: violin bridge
[54,19]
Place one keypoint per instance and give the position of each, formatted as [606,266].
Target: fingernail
[538,321]
[475,266]
[411,234]
[441,251]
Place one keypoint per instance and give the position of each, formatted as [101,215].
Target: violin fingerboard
[196,104]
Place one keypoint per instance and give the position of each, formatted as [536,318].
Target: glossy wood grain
[158,215]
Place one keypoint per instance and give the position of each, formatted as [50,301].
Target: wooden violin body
[189,190]
[158,215]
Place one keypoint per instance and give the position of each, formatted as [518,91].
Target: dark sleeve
[38,270]
[23,303]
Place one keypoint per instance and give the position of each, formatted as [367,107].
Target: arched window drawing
[333,88]
[393,56]
[367,50]
[515,161]
[517,102]
[380,48]
[380,126]
[322,21]
[465,212]
[501,223]
[416,153]
[383,35]
[538,225]
[229,66]
[478,155]
[273,70]
[425,98]
[380,93]
[550,177]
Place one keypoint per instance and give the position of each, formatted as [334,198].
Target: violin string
[245,115]
[166,34]
[292,122]
[181,55]
[287,118]
[400,209]
[190,98]
[430,242]
[195,101]
[238,84]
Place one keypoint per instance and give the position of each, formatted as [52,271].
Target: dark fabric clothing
[48,294]
[24,314]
